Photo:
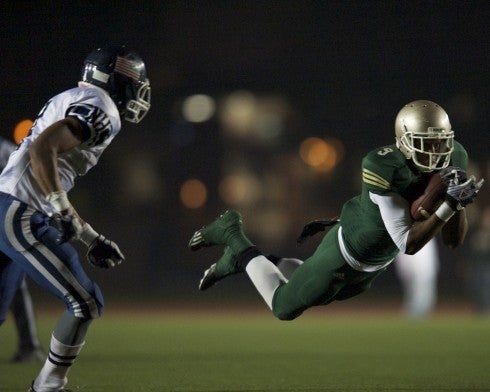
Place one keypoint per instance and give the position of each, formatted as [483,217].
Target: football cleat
[225,230]
[31,389]
[224,267]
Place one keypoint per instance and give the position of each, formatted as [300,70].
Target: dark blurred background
[262,106]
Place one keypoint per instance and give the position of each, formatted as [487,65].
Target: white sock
[265,276]
[52,377]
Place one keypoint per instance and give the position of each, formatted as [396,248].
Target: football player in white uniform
[38,221]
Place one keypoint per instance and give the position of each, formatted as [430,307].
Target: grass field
[161,350]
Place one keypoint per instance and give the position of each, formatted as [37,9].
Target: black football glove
[314,227]
[67,226]
[104,253]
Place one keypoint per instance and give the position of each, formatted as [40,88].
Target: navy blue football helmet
[121,72]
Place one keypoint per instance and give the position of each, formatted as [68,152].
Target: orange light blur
[21,130]
[193,194]
[318,153]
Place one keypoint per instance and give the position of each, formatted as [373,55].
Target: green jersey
[384,171]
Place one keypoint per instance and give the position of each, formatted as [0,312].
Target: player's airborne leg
[317,281]
[240,255]
[225,230]
[224,267]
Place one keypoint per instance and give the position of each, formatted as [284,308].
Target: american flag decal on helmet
[127,68]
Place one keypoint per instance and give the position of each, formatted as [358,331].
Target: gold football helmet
[424,135]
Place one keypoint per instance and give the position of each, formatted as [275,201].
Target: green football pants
[321,279]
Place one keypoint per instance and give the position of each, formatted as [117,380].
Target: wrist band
[59,201]
[445,212]
[88,234]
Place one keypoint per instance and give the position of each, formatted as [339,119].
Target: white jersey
[94,108]
[6,148]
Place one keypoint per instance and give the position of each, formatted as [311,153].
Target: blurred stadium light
[258,119]
[198,108]
[321,154]
[238,112]
[193,193]
[240,188]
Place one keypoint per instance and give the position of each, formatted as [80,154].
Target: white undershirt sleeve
[395,213]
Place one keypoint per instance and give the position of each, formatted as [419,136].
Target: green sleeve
[459,157]
[378,168]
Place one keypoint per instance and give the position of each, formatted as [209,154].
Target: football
[431,199]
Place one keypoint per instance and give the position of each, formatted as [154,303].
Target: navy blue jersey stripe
[96,121]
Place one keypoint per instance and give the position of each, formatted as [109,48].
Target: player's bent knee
[90,307]
[286,314]
[286,307]
[98,306]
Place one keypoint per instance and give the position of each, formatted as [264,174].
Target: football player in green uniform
[373,226]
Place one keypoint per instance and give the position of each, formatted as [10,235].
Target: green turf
[237,351]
